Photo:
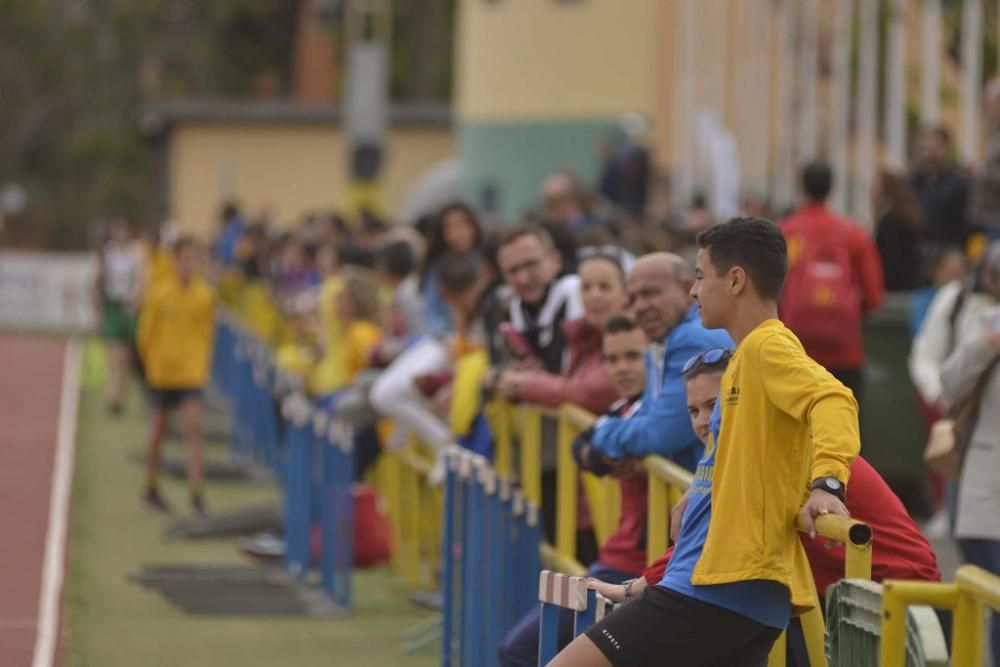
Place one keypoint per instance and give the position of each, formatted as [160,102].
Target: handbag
[950,437]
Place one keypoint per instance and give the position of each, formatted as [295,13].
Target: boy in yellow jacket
[174,338]
[784,434]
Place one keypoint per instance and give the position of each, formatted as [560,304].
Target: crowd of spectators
[409,329]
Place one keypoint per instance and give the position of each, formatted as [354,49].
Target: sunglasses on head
[707,358]
[610,252]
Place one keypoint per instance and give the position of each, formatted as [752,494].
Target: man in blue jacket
[658,287]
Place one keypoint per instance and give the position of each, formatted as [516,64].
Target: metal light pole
[367,38]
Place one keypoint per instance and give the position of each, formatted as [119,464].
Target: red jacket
[625,549]
[586,383]
[803,227]
[899,549]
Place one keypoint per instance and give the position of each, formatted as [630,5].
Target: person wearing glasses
[658,286]
[784,424]
[585,381]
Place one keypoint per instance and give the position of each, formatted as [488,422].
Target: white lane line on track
[55,538]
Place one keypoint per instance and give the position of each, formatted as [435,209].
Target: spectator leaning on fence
[396,394]
[530,264]
[396,262]
[586,381]
[728,592]
[175,343]
[658,287]
[900,552]
[623,555]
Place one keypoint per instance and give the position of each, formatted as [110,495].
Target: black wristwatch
[831,485]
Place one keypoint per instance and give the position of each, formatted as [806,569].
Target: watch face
[833,484]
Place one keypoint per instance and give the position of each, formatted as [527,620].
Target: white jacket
[933,343]
[979,488]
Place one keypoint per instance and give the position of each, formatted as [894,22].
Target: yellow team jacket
[176,328]
[785,422]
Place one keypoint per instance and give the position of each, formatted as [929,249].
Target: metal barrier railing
[667,483]
[490,560]
[667,480]
[973,590]
[307,449]
[491,530]
[415,507]
[560,591]
[856,536]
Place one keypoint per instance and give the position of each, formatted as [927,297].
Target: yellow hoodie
[785,422]
[175,333]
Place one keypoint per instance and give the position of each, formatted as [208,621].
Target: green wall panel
[505,162]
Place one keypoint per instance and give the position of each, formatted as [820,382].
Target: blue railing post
[477,553]
[337,511]
[452,541]
[582,620]
[496,551]
[469,583]
[557,592]
[507,531]
[298,456]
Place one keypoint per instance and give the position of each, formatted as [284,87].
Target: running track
[37,411]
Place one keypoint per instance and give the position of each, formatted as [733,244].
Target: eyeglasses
[611,253]
[711,357]
[589,251]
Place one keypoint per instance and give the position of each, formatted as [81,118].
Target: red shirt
[803,227]
[899,549]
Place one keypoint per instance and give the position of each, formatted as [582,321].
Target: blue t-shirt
[766,602]
[920,303]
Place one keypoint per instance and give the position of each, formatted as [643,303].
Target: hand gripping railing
[558,592]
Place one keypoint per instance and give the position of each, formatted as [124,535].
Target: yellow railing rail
[531,454]
[415,508]
[667,483]
[603,496]
[857,539]
[973,590]
[567,474]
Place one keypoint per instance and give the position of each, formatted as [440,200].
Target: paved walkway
[31,379]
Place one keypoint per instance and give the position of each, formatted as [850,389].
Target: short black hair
[354,255]
[703,368]
[756,245]
[515,233]
[817,181]
[619,324]
[397,259]
[458,271]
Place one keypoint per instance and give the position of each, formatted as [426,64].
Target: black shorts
[662,627]
[170,399]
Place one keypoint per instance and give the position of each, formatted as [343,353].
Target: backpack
[821,301]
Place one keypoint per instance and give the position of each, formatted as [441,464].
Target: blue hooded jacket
[662,426]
